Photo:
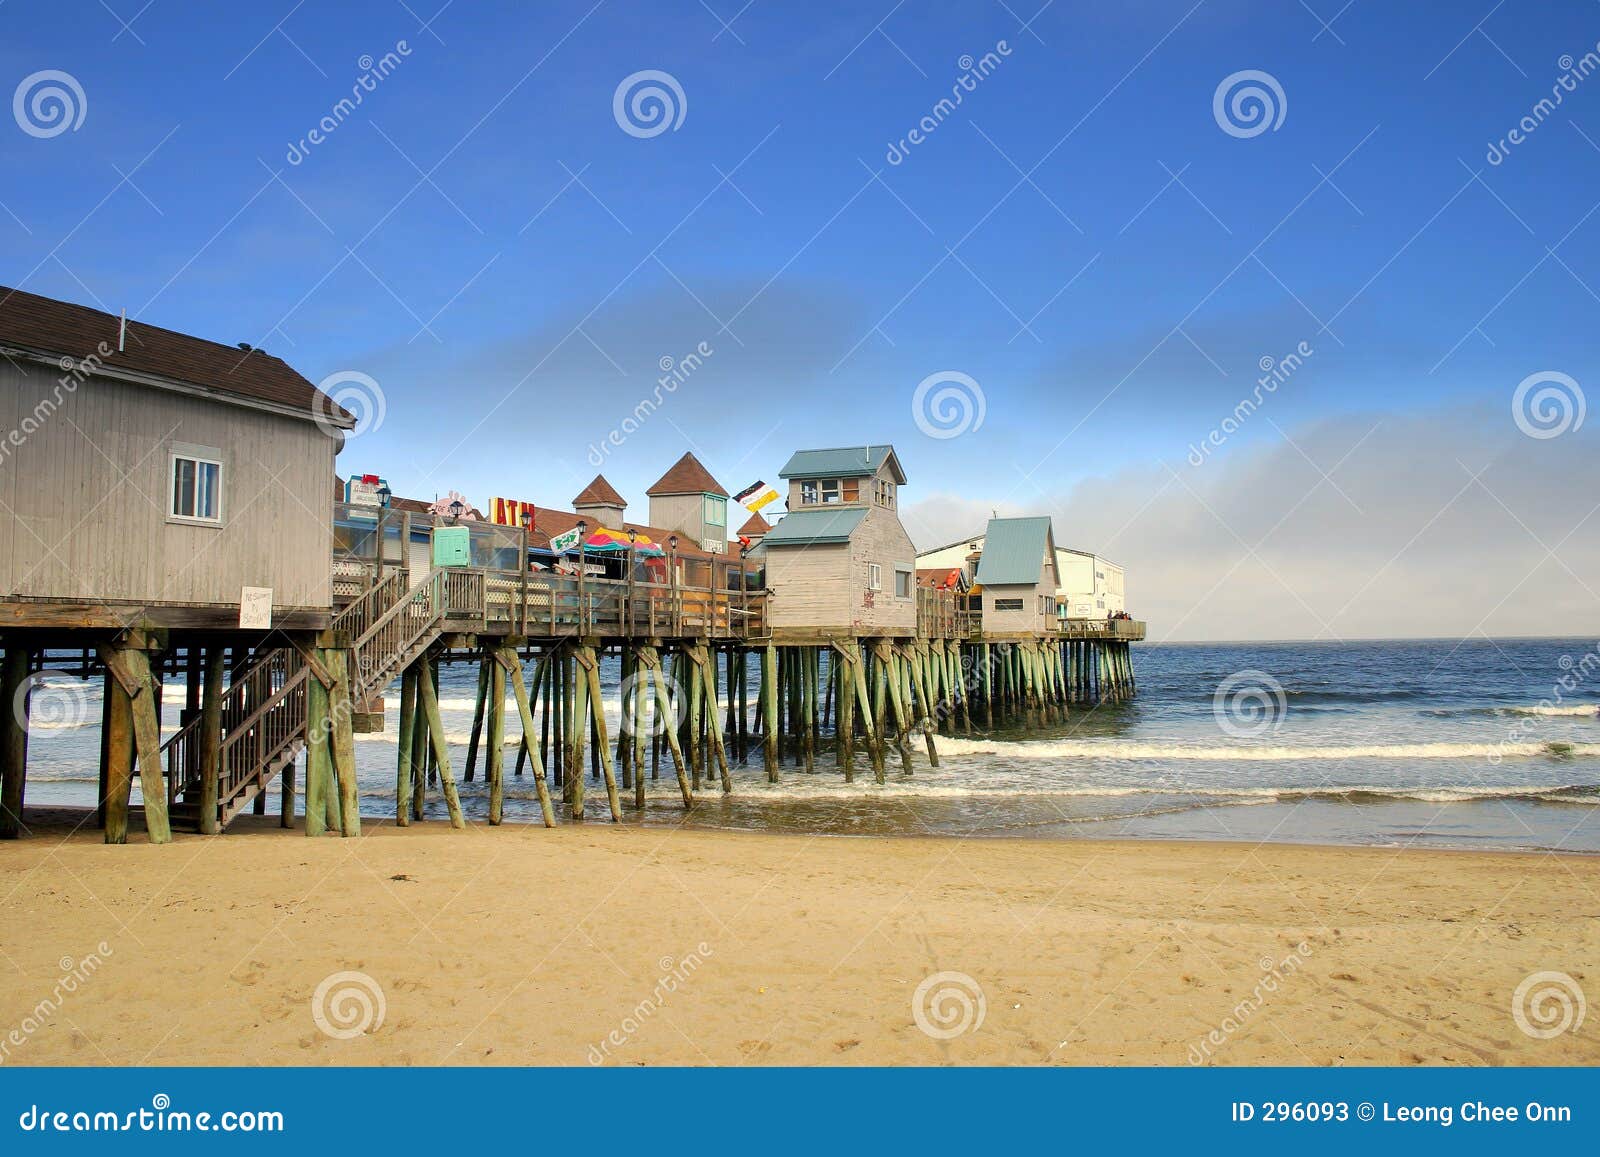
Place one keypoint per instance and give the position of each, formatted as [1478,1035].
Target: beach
[633,945]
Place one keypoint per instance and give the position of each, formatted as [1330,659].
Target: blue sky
[1080,237]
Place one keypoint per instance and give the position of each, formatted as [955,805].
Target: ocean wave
[1223,753]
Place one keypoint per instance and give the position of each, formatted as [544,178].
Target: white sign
[255,609]
[359,492]
[568,540]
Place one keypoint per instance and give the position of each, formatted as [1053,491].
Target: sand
[632,946]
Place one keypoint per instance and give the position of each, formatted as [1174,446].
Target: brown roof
[59,328]
[755,525]
[599,493]
[687,476]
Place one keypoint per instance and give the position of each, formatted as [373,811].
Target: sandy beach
[629,946]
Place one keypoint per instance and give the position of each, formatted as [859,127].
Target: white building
[1091,587]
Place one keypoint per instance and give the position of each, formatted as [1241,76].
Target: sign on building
[255,609]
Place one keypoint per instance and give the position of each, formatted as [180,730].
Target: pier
[215,558]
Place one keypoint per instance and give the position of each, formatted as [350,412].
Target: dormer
[847,476]
[599,504]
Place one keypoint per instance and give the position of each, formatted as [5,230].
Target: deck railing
[937,617]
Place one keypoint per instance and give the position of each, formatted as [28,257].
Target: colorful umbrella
[605,539]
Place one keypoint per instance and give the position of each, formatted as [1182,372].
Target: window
[874,577]
[716,511]
[1008,604]
[808,494]
[852,490]
[196,494]
[902,583]
[829,488]
[885,493]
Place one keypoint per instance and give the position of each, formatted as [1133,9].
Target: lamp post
[583,601]
[526,520]
[633,537]
[672,577]
[384,495]
[456,510]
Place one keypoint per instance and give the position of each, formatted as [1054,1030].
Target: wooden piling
[14,695]
[441,748]
[769,710]
[508,659]
[478,702]
[211,743]
[494,757]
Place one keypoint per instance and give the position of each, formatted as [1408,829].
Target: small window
[874,577]
[830,491]
[808,494]
[196,494]
[885,493]
[902,583]
[1008,604]
[852,490]
[716,511]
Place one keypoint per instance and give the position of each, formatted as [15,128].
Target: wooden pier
[209,553]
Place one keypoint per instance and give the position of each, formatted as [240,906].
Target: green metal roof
[843,462]
[1014,551]
[813,527]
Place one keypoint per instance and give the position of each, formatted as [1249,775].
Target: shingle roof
[755,524]
[599,493]
[59,328]
[1014,551]
[841,462]
[815,527]
[687,476]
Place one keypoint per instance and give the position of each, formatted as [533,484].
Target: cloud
[1441,523]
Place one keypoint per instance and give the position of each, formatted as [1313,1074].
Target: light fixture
[456,509]
[672,542]
[384,494]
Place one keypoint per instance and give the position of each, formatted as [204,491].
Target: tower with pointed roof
[599,504]
[687,499]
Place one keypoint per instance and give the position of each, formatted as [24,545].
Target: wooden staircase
[264,706]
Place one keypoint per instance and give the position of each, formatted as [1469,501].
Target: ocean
[1477,744]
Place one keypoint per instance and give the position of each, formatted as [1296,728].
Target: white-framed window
[904,581]
[829,490]
[885,493]
[1008,604]
[716,510]
[874,577]
[194,491]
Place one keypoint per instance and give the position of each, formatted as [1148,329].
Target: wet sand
[625,945]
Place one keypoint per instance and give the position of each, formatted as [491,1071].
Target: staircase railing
[263,716]
[380,651]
